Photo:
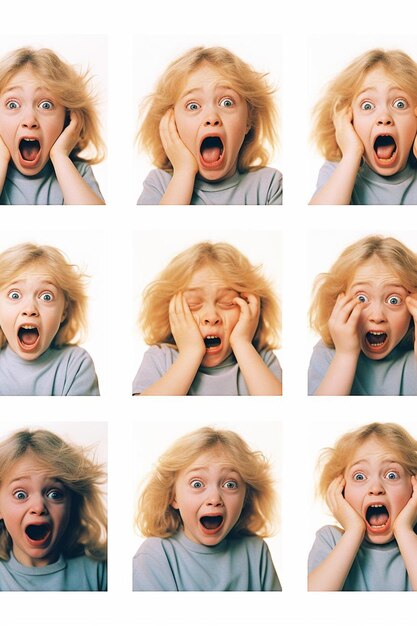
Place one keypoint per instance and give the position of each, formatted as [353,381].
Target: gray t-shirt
[395,375]
[225,379]
[371,188]
[68,371]
[178,564]
[42,188]
[263,186]
[78,574]
[377,567]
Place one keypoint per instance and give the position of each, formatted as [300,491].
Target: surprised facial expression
[211,302]
[212,121]
[31,120]
[384,117]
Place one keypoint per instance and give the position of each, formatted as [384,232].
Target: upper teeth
[27,327]
[376,506]
[374,332]
[29,139]
[211,337]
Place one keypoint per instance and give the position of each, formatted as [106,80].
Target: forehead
[375,271]
[207,276]
[373,449]
[28,465]
[216,458]
[204,75]
[24,77]
[378,76]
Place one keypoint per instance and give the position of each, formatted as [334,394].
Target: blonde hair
[71,88]
[156,517]
[14,261]
[87,526]
[252,86]
[400,259]
[341,91]
[233,267]
[334,461]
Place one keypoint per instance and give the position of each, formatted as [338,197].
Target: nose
[209,316]
[30,308]
[375,311]
[29,119]
[384,118]
[212,117]
[37,504]
[376,488]
[213,497]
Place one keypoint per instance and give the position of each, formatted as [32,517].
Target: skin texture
[374,476]
[381,107]
[33,299]
[211,307]
[29,110]
[375,302]
[28,496]
[210,486]
[207,106]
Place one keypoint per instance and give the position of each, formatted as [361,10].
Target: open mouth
[28,336]
[38,533]
[29,150]
[212,523]
[385,148]
[377,517]
[211,150]
[212,341]
[376,340]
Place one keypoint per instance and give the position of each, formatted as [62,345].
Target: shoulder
[93,573]
[269,181]
[71,354]
[154,186]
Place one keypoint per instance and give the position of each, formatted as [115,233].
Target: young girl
[48,119]
[204,510]
[369,483]
[52,516]
[211,319]
[365,310]
[207,127]
[365,126]
[43,309]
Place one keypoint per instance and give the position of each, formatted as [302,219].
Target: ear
[64,313]
[174,503]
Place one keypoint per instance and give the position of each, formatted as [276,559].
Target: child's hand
[343,324]
[182,160]
[69,137]
[407,518]
[346,137]
[341,510]
[411,302]
[245,329]
[5,155]
[184,327]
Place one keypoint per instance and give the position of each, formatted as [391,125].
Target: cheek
[185,128]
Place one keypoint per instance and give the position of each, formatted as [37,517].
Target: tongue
[378,519]
[385,147]
[211,154]
[29,150]
[28,336]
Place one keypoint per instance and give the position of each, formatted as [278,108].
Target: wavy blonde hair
[156,517]
[87,527]
[14,261]
[334,461]
[341,91]
[233,267]
[72,89]
[252,86]
[327,286]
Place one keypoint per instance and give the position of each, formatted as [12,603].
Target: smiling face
[385,318]
[35,509]
[209,495]
[31,120]
[211,302]
[378,487]
[384,117]
[32,308]
[212,120]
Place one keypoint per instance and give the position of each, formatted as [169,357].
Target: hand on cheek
[343,324]
[250,309]
[342,511]
[346,137]
[407,518]
[182,160]
[69,137]
[184,327]
[411,302]
[5,155]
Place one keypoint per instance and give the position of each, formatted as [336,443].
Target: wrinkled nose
[210,317]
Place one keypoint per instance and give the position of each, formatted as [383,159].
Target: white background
[285,31]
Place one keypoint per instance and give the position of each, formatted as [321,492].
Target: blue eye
[367,106]
[400,103]
[391,475]
[20,495]
[395,300]
[14,295]
[193,106]
[230,484]
[12,104]
[47,296]
[226,103]
[46,105]
[362,297]
[359,476]
[196,484]
[55,494]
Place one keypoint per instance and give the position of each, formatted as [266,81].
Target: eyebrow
[362,461]
[385,285]
[20,88]
[29,476]
[197,90]
[224,290]
[205,468]
[374,89]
